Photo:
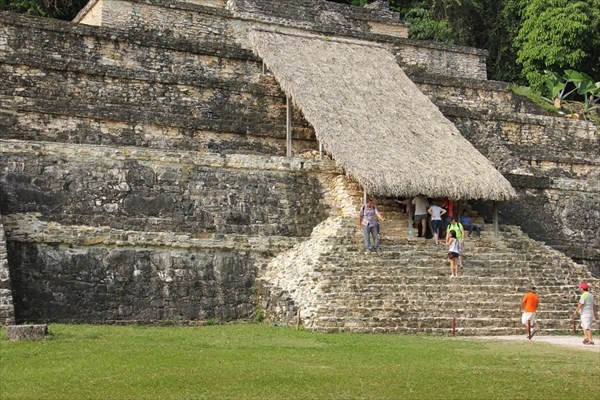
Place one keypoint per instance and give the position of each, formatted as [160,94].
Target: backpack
[362,210]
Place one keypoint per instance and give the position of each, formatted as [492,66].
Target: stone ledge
[27,332]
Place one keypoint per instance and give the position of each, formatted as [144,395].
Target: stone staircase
[332,285]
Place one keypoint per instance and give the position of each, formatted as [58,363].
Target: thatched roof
[374,121]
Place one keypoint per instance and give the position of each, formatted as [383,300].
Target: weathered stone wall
[319,15]
[478,96]
[114,90]
[130,234]
[438,59]
[187,22]
[7,310]
[145,190]
[55,283]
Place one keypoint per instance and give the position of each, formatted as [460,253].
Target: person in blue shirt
[468,225]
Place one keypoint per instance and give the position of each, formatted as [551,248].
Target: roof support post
[410,221]
[320,150]
[495,209]
[364,196]
[288,125]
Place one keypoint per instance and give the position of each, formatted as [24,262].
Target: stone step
[466,283]
[426,264]
[391,254]
[408,243]
[473,308]
[373,295]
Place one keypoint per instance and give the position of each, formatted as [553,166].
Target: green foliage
[555,35]
[586,88]
[253,361]
[423,26]
[502,21]
[555,87]
[464,17]
[579,87]
[31,7]
[534,97]
[61,9]
[259,316]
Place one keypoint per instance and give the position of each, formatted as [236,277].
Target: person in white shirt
[421,205]
[588,310]
[436,213]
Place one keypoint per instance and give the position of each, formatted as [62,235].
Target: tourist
[459,230]
[447,205]
[436,213]
[406,205]
[453,253]
[368,220]
[421,205]
[588,311]
[528,307]
[468,225]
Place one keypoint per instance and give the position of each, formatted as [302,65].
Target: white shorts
[586,321]
[528,316]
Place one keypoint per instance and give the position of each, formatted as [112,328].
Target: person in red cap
[588,311]
[529,305]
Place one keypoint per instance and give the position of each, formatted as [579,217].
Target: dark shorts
[420,217]
[436,224]
[452,255]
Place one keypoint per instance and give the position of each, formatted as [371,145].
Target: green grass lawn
[264,362]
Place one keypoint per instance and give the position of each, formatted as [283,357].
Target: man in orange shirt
[529,306]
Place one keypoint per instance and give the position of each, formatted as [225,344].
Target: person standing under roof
[436,213]
[588,311]
[368,220]
[528,307]
[421,205]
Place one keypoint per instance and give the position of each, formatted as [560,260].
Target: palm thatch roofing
[374,121]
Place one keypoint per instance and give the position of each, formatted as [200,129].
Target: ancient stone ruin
[146,175]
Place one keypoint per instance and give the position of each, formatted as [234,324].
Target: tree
[60,9]
[501,28]
[557,35]
[423,26]
[31,7]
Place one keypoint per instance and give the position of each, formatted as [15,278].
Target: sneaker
[532,333]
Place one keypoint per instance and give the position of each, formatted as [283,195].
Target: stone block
[27,332]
